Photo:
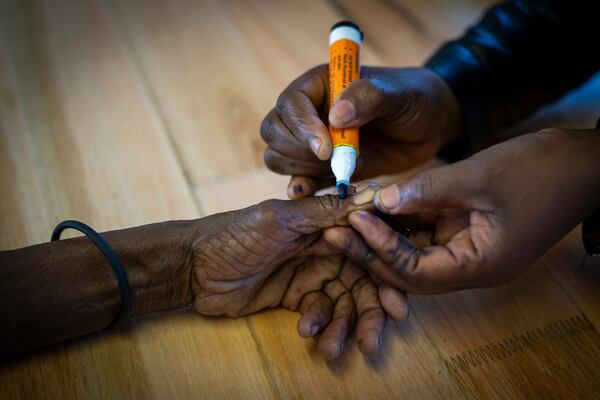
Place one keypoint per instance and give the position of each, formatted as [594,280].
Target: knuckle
[282,103]
[372,89]
[366,94]
[267,212]
[316,76]
[406,266]
[266,129]
[422,187]
[333,204]
[289,114]
[320,69]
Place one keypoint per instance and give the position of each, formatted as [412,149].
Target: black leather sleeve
[521,55]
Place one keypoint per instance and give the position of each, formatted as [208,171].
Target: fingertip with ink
[299,187]
[359,217]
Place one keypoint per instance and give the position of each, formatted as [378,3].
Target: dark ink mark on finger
[298,189]
[365,215]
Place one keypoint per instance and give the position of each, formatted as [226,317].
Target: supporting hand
[482,221]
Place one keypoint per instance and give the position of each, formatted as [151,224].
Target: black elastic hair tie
[112,258]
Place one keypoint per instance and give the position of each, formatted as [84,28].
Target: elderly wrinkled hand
[273,254]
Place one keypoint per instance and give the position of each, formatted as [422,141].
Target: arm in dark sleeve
[520,56]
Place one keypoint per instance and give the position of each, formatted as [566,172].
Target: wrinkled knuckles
[267,212]
[282,104]
[266,129]
[424,188]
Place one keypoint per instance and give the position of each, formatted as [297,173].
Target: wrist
[582,163]
[158,262]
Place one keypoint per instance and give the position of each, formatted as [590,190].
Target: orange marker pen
[345,39]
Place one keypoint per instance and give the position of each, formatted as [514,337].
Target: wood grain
[87,126]
[121,113]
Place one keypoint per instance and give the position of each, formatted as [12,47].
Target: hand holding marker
[345,39]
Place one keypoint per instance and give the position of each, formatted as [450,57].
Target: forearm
[59,290]
[548,183]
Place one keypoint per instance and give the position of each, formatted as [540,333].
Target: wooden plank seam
[506,347]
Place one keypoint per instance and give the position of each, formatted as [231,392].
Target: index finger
[298,107]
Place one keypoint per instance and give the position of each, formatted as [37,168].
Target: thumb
[362,101]
[451,186]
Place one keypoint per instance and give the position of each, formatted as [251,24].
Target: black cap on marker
[351,25]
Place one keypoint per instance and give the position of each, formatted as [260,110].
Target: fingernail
[387,198]
[315,145]
[366,194]
[342,112]
[364,197]
[314,329]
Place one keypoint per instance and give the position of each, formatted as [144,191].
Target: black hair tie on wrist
[112,258]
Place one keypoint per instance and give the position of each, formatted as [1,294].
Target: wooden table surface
[121,113]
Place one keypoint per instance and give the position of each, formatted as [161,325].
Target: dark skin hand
[274,254]
[406,115]
[482,221]
[235,263]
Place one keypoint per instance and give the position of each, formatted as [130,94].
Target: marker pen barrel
[345,39]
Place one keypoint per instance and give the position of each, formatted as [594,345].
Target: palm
[455,237]
[475,239]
